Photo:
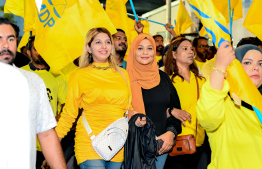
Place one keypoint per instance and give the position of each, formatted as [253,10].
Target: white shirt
[30,113]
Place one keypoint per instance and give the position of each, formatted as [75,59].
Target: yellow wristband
[219,71]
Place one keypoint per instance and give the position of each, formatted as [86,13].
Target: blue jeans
[100,164]
[161,160]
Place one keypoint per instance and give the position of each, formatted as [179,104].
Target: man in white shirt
[36,119]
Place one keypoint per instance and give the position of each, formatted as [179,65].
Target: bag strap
[88,128]
[197,98]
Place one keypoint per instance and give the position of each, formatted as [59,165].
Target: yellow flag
[253,21]
[203,31]
[213,21]
[15,7]
[24,8]
[222,6]
[62,27]
[241,85]
[183,21]
[116,11]
[23,41]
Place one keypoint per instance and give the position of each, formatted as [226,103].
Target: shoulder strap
[88,128]
[197,98]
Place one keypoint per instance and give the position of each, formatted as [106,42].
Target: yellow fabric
[183,21]
[234,132]
[24,8]
[104,95]
[158,58]
[253,21]
[203,31]
[15,7]
[207,67]
[213,21]
[187,93]
[222,6]
[116,11]
[68,70]
[242,85]
[199,64]
[67,25]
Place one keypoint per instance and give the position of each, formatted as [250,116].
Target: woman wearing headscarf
[234,132]
[152,92]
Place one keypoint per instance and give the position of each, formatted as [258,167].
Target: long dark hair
[171,65]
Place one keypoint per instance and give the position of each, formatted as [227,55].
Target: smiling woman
[102,89]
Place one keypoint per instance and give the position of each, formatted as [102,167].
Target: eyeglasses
[203,46]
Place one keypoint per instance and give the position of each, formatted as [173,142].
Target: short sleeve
[45,116]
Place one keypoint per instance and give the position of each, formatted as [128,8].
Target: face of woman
[145,52]
[252,63]
[184,54]
[100,48]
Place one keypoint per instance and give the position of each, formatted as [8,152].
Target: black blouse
[157,100]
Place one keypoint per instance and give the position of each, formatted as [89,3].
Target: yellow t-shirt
[235,133]
[104,96]
[200,64]
[187,93]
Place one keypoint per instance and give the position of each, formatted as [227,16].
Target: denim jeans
[100,164]
[161,160]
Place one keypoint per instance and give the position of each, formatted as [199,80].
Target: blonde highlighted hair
[86,59]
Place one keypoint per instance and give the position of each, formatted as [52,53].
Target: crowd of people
[168,91]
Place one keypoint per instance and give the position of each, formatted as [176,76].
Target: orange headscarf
[141,76]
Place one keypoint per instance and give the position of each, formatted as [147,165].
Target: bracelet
[219,71]
[170,111]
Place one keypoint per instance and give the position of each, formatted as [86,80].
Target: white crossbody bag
[112,139]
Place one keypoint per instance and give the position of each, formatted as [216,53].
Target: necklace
[98,67]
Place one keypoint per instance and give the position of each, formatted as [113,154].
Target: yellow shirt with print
[104,96]
[56,88]
[187,93]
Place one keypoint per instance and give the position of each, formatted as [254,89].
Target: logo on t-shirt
[49,94]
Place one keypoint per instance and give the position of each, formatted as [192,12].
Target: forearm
[51,149]
[217,78]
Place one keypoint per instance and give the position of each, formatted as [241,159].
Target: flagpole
[230,18]
[133,8]
[150,20]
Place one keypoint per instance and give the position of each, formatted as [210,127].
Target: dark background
[143,6]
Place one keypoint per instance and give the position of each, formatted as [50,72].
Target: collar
[32,67]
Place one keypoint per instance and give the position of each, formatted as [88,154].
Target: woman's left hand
[168,138]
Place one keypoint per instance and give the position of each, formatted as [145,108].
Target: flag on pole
[116,11]
[222,6]
[212,20]
[253,21]
[241,86]
[183,21]
[15,7]
[203,31]
[62,27]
